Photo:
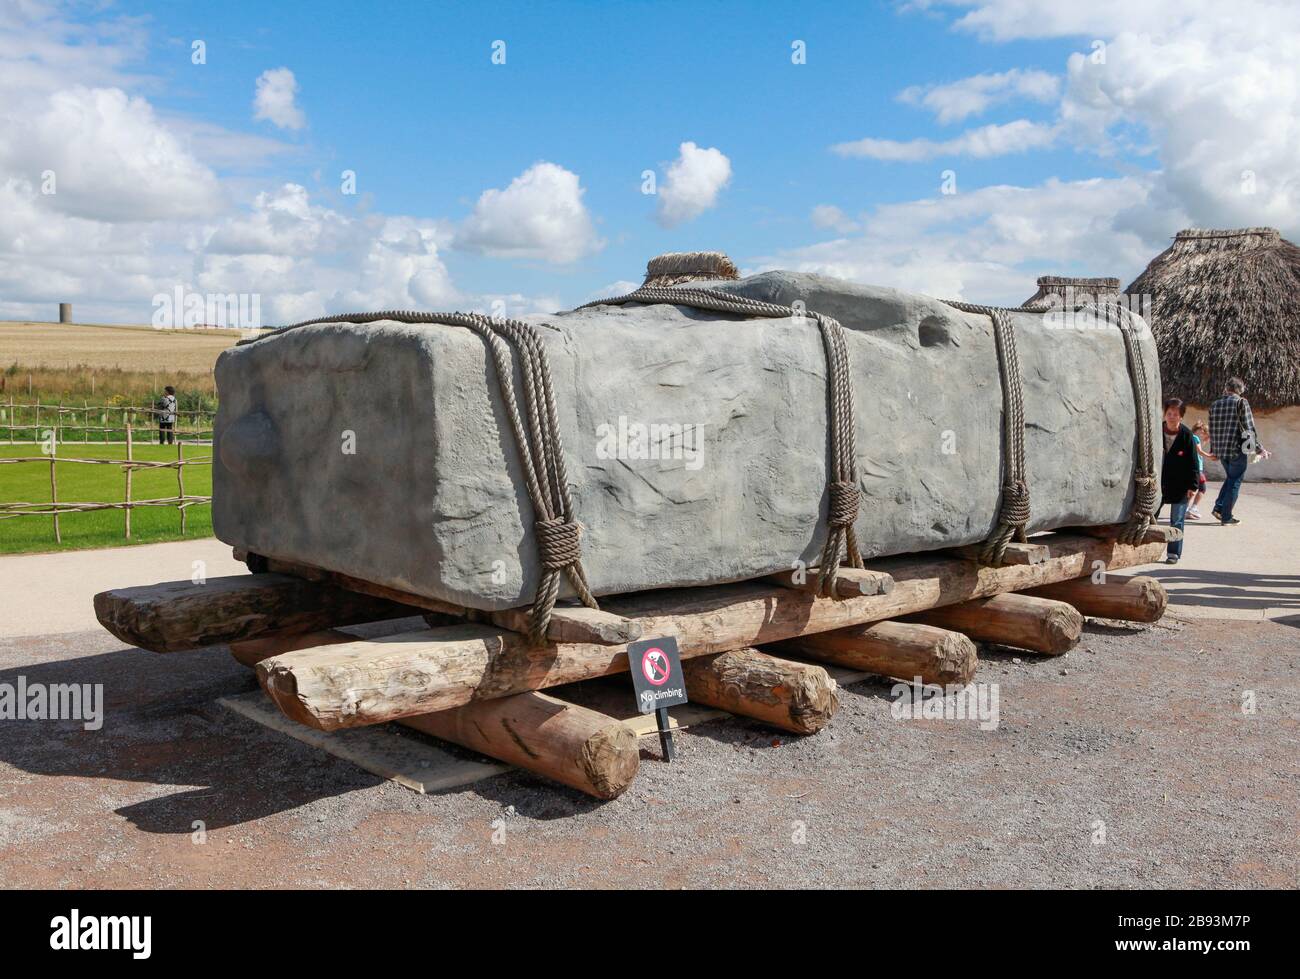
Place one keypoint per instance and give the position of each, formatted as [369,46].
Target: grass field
[30,482]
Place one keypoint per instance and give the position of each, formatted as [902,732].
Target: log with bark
[796,697]
[1136,599]
[903,650]
[1024,621]
[181,615]
[576,746]
[371,681]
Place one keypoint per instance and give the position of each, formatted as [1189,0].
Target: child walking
[1200,436]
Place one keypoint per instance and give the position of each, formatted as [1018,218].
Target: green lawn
[30,483]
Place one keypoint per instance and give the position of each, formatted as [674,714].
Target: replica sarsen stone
[696,443]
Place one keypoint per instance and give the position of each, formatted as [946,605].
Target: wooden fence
[29,421]
[182,501]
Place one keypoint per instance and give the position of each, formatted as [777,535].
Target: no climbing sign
[656,667]
[656,673]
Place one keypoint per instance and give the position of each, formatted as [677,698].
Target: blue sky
[406,95]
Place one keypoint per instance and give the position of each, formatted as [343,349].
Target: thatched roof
[674,268]
[1226,303]
[1072,289]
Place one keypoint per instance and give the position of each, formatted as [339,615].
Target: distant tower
[65,312]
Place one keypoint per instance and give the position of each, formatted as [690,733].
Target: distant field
[137,348]
[30,482]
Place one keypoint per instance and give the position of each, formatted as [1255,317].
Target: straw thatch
[1070,290]
[1226,303]
[674,268]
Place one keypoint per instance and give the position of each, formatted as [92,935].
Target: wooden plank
[126,497]
[903,650]
[1040,625]
[54,491]
[574,623]
[1156,533]
[180,482]
[849,582]
[383,751]
[367,682]
[1016,552]
[180,615]
[1136,599]
[568,623]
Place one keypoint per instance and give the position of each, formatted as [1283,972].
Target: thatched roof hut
[674,268]
[1073,289]
[1226,303]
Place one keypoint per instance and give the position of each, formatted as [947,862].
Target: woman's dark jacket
[1179,472]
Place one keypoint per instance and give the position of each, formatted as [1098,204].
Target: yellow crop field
[134,348]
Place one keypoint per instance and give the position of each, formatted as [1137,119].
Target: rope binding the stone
[1014,511]
[537,438]
[842,484]
[1146,486]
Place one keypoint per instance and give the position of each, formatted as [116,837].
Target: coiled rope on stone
[537,437]
[1013,513]
[843,492]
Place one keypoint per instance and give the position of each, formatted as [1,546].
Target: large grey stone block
[432,500]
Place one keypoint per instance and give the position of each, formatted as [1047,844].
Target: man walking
[1233,440]
[166,410]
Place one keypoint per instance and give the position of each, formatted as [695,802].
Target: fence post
[54,491]
[180,481]
[129,469]
[13,419]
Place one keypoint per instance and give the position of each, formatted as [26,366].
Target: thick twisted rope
[537,437]
[842,505]
[1013,513]
[1146,490]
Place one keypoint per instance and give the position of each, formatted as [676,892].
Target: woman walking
[1178,473]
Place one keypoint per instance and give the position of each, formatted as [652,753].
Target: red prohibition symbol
[655,666]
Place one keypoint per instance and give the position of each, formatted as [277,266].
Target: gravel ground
[1128,763]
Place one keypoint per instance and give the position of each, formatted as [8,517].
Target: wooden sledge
[473,678]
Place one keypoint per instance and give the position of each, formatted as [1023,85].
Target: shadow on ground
[162,726]
[1228,589]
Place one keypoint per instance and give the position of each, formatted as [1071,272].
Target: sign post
[656,666]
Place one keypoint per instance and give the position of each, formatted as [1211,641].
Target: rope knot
[843,510]
[559,543]
[1015,503]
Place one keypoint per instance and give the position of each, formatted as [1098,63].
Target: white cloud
[275,99]
[1212,90]
[830,216]
[986,141]
[692,184]
[1008,20]
[990,244]
[954,101]
[135,212]
[111,158]
[539,216]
